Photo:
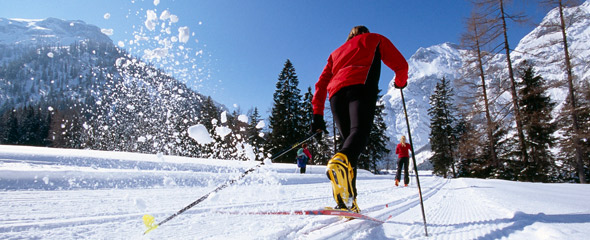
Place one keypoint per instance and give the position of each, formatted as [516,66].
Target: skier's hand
[398,87]
[318,125]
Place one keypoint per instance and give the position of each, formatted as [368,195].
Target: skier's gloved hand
[398,87]
[318,125]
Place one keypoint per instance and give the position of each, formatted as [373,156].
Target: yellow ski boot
[340,173]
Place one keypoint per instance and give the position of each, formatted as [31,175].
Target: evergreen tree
[307,107]
[286,119]
[9,127]
[472,163]
[255,135]
[442,130]
[317,149]
[209,115]
[231,145]
[536,108]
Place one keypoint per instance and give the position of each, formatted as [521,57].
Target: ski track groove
[324,227]
[470,221]
[339,229]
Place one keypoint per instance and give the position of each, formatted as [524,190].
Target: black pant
[353,113]
[353,109]
[302,170]
[403,163]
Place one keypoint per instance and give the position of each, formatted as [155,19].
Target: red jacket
[350,63]
[402,151]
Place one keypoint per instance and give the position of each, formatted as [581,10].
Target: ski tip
[149,222]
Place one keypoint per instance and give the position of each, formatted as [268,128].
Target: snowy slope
[82,194]
[429,65]
[48,31]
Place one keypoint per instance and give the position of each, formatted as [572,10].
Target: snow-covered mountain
[426,67]
[50,31]
[429,65]
[70,71]
[543,46]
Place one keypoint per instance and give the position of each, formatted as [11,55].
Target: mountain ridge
[48,31]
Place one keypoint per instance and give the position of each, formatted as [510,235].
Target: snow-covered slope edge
[23,168]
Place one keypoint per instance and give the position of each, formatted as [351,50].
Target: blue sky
[245,43]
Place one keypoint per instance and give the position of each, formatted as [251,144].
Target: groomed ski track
[51,196]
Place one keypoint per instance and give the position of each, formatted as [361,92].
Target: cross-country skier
[303,157]
[402,151]
[351,78]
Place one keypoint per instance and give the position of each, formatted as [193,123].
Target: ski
[150,221]
[317,212]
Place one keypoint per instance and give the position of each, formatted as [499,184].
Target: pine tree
[286,119]
[209,119]
[307,107]
[255,135]
[442,129]
[536,108]
[9,127]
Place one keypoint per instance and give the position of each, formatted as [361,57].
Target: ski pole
[414,161]
[292,147]
[149,220]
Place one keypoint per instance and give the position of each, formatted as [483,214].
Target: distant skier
[303,157]
[402,151]
[351,78]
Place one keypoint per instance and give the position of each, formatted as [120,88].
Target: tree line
[525,138]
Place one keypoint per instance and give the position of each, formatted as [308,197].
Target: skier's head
[403,140]
[304,145]
[358,30]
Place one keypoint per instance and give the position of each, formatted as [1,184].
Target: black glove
[318,125]
[401,86]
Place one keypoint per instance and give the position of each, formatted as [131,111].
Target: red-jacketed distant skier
[402,150]
[351,78]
